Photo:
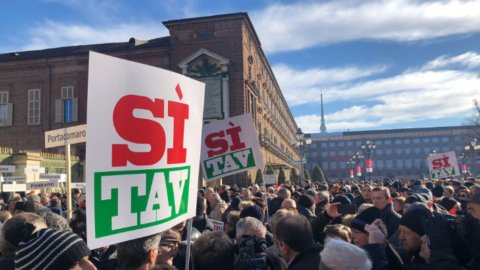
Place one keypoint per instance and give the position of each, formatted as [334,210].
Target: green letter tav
[230,162]
[131,200]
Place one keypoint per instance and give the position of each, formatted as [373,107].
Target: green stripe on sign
[131,200]
[231,162]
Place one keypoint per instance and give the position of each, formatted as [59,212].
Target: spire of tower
[323,128]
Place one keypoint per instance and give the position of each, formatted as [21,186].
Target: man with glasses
[168,247]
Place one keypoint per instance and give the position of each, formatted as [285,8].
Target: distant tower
[323,128]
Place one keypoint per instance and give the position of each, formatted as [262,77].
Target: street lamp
[473,143]
[302,146]
[357,158]
[368,148]
[464,166]
[350,166]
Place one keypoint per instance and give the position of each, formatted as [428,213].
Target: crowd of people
[391,224]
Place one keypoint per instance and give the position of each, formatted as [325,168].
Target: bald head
[289,204]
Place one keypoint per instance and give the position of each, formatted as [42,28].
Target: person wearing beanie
[49,249]
[414,198]
[343,199]
[437,192]
[368,216]
[451,205]
[411,230]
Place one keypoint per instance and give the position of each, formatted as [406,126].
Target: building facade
[400,153]
[47,89]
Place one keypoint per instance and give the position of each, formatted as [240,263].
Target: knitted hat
[252,211]
[306,201]
[367,216]
[342,199]
[448,203]
[412,219]
[425,192]
[415,197]
[50,249]
[34,198]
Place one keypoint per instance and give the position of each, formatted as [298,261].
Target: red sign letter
[138,130]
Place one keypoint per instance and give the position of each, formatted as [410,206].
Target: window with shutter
[4,113]
[66,108]
[33,107]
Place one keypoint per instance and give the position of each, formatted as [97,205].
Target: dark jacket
[307,260]
[306,213]
[273,205]
[390,218]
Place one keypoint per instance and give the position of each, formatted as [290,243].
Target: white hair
[357,257]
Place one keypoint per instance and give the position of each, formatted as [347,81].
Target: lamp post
[464,166]
[301,144]
[357,158]
[350,166]
[473,143]
[368,148]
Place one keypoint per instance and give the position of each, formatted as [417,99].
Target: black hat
[50,249]
[253,211]
[448,203]
[342,199]
[415,197]
[367,216]
[438,191]
[234,188]
[412,219]
[306,201]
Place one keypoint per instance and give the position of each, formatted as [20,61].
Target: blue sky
[380,64]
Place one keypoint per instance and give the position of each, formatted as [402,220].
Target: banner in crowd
[269,179]
[217,225]
[42,184]
[443,165]
[230,146]
[143,149]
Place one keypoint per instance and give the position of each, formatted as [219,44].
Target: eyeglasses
[168,245]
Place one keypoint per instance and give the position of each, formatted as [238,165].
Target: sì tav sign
[142,165]
[230,146]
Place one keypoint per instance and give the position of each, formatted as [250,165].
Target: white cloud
[467,60]
[54,34]
[316,23]
[416,95]
[310,81]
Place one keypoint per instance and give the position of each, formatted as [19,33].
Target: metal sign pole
[189,244]
[69,181]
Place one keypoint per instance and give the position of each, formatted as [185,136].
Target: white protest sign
[64,136]
[443,165]
[230,146]
[78,185]
[143,159]
[13,187]
[34,169]
[14,178]
[7,168]
[217,225]
[269,179]
[42,184]
[60,177]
